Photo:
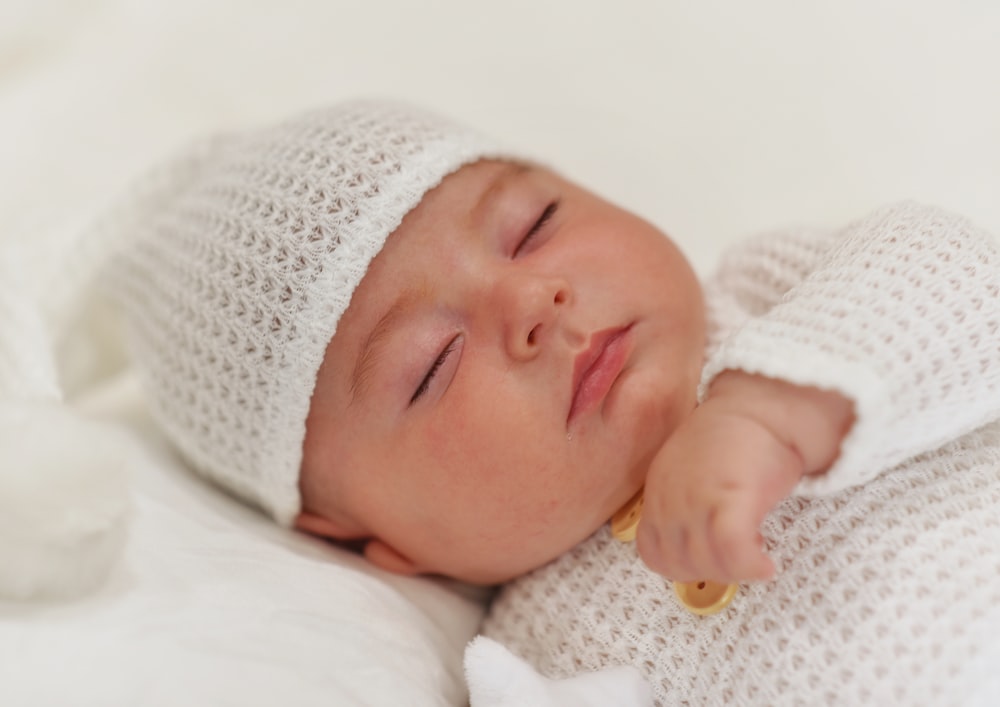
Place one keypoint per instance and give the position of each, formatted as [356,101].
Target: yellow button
[702,598]
[705,597]
[626,520]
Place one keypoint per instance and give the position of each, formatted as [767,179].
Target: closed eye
[547,214]
[435,367]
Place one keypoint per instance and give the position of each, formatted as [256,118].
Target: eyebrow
[495,188]
[368,354]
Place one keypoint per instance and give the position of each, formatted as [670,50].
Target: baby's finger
[664,549]
[707,561]
[733,532]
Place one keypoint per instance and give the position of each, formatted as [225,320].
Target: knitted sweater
[888,584]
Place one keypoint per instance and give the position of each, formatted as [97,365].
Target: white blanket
[209,603]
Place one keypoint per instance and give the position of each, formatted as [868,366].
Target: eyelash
[438,362]
[547,214]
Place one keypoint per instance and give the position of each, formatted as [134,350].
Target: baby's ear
[379,553]
[388,558]
[323,527]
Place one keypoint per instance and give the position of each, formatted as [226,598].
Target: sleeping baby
[383,329]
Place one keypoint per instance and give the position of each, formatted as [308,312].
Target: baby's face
[508,366]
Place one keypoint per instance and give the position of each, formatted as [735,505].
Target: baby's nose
[529,307]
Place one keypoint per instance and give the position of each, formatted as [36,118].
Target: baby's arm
[736,457]
[898,315]
[902,317]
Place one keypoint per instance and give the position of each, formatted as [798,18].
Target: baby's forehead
[480,181]
[471,192]
[477,199]
[460,203]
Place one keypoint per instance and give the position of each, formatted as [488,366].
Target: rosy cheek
[454,447]
[440,438]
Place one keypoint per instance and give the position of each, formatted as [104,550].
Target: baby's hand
[736,457]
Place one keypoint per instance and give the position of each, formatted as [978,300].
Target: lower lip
[601,375]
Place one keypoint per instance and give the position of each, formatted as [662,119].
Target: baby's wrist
[810,421]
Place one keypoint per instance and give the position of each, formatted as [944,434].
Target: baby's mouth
[596,368]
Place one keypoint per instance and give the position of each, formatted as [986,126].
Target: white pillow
[212,604]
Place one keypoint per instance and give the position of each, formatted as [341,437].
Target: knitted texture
[236,262]
[888,584]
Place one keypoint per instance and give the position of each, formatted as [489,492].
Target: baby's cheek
[465,454]
[649,408]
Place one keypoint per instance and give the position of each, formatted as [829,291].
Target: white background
[713,119]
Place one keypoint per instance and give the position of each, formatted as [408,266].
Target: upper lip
[586,359]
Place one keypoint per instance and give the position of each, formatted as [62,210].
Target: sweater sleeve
[898,312]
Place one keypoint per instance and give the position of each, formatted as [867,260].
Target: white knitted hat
[236,264]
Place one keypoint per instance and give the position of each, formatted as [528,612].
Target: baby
[383,329]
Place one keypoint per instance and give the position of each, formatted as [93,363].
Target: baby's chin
[492,576]
[497,565]
[652,409]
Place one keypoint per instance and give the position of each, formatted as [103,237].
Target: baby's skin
[729,463]
[518,362]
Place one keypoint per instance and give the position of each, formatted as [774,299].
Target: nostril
[531,336]
[560,297]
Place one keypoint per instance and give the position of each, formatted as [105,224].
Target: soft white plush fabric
[212,603]
[498,678]
[63,479]
[888,585]
[63,500]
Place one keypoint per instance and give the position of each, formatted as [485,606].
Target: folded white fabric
[63,500]
[498,678]
[63,481]
[211,603]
